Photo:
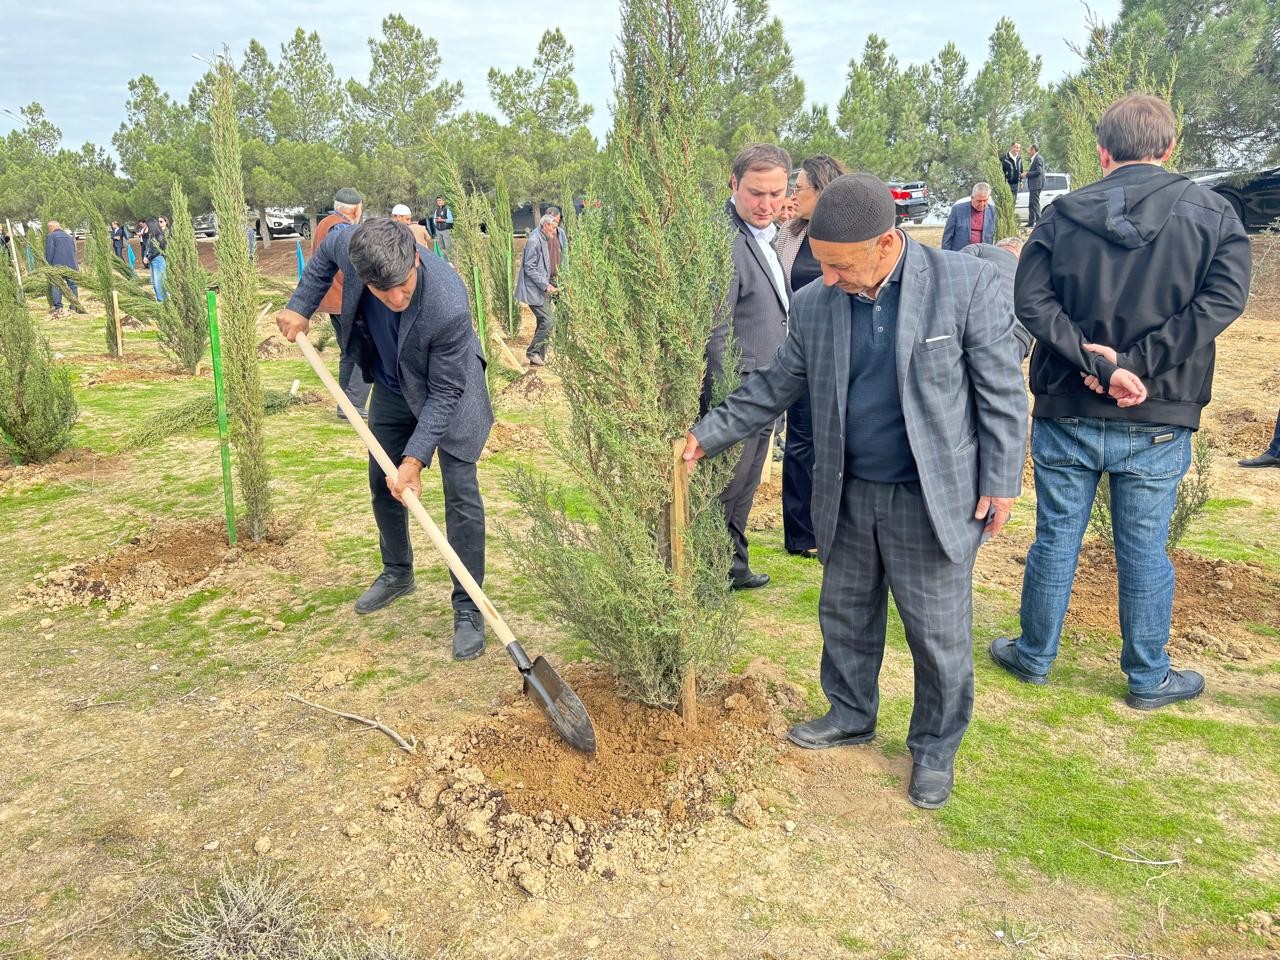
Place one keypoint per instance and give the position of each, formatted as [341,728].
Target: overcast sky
[76,56]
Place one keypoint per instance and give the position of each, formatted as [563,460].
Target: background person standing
[1035,183]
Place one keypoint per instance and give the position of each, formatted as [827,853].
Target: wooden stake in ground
[679,521]
[115,313]
[507,355]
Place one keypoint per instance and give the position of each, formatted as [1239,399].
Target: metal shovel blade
[561,705]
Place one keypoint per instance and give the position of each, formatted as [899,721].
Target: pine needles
[184,328]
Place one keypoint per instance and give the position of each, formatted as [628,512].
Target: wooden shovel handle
[456,567]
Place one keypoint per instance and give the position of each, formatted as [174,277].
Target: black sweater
[1144,261]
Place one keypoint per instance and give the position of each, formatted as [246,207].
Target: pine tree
[184,329]
[237,301]
[646,278]
[37,406]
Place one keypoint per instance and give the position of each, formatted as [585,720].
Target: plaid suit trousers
[883,542]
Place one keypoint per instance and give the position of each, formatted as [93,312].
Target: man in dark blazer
[971,221]
[756,319]
[407,323]
[60,251]
[1005,257]
[1011,165]
[1035,183]
[919,426]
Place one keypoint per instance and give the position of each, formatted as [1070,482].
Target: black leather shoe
[822,733]
[1005,654]
[1177,685]
[468,635]
[752,581]
[383,591]
[930,789]
[1262,460]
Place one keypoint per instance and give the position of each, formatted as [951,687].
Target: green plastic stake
[484,346]
[220,401]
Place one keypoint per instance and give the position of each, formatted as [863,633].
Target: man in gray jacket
[406,321]
[919,426]
[756,310]
[536,284]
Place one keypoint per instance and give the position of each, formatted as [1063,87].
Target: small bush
[1192,496]
[37,405]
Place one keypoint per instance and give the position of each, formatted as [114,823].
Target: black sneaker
[386,589]
[468,635]
[1178,685]
[1004,652]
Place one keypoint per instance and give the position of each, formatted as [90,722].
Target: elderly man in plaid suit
[919,427]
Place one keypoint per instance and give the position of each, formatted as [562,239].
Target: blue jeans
[55,294]
[157,278]
[1145,462]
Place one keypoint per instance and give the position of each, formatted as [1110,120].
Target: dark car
[911,198]
[205,225]
[1255,195]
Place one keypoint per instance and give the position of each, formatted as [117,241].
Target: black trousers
[542,335]
[393,423]
[797,479]
[1033,206]
[350,379]
[738,495]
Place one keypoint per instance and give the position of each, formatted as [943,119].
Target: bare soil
[163,564]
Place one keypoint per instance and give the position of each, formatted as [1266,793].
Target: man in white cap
[402,213]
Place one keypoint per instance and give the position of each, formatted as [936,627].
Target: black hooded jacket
[1144,261]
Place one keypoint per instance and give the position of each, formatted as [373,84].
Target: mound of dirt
[527,808]
[1241,432]
[530,389]
[514,436]
[766,510]
[133,375]
[161,564]
[1214,602]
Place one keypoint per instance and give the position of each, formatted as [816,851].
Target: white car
[1055,185]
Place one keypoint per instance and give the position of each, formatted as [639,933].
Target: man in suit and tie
[1035,183]
[919,425]
[407,322]
[756,309]
[971,221]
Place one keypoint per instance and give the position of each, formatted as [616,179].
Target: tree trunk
[264,229]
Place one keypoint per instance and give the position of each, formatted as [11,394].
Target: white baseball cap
[400,210]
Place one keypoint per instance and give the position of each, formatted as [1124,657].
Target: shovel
[542,684]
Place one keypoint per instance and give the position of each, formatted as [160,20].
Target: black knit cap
[853,208]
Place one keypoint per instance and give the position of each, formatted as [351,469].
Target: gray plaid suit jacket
[959,376]
[438,360]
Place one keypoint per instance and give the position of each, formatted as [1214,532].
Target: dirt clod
[746,810]
[262,846]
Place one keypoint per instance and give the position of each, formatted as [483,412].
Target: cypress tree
[37,406]
[102,273]
[237,300]
[502,259]
[184,329]
[641,293]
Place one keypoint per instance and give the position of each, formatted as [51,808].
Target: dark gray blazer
[955,235]
[959,377]
[438,360]
[754,310]
[535,270]
[1035,173]
[1007,267]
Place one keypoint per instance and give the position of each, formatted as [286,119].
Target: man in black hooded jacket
[1125,284]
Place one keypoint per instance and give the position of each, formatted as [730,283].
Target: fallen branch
[1142,861]
[407,745]
[96,703]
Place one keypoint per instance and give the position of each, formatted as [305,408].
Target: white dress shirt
[764,240]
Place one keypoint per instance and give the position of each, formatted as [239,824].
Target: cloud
[77,57]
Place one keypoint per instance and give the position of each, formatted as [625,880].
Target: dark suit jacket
[438,361]
[959,378]
[1012,167]
[755,314]
[955,235]
[1035,173]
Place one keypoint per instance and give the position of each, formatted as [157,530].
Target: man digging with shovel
[407,324]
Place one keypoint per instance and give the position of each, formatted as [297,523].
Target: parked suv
[1255,195]
[1055,185]
[911,198]
[206,225]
